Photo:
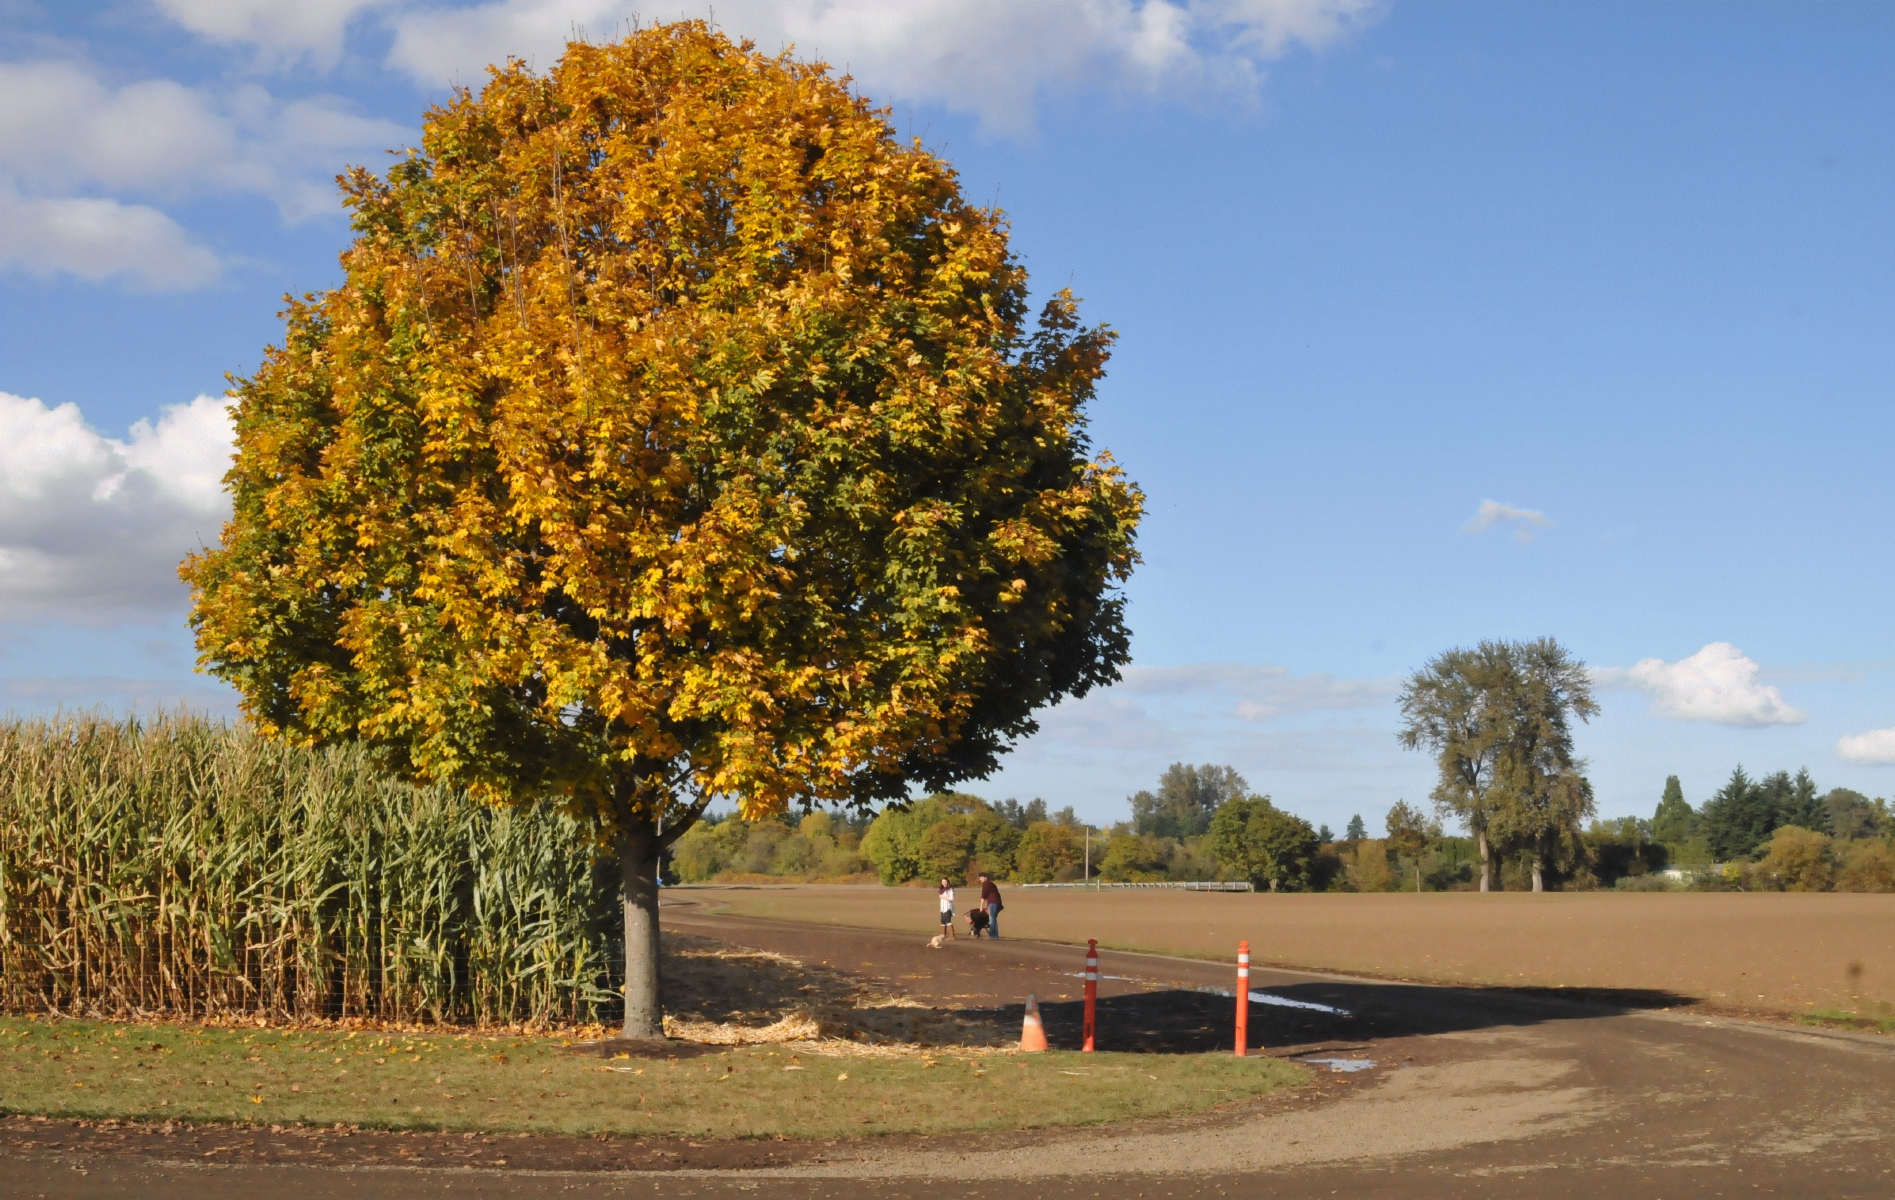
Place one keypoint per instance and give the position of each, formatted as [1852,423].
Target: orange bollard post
[1032,1031]
[1092,988]
[1243,999]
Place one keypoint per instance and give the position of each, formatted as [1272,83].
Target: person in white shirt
[947,909]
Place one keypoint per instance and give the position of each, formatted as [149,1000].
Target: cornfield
[188,867]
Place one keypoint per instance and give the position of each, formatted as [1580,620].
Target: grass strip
[536,1084]
[1836,1018]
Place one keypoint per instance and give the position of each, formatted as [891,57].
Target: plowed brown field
[1783,953]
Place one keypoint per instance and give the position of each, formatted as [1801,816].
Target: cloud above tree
[1718,684]
[92,527]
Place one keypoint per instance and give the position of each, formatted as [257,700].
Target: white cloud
[63,129]
[284,29]
[1525,521]
[1875,748]
[65,133]
[1717,684]
[1261,692]
[991,58]
[93,527]
[100,239]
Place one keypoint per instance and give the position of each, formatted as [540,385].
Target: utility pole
[1088,875]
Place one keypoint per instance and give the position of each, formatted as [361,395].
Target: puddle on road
[1279,1001]
[1230,994]
[1341,1064]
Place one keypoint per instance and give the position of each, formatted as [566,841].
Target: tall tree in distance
[1356,830]
[1675,821]
[676,431]
[1455,706]
[1540,787]
[1185,801]
[1408,834]
[1499,720]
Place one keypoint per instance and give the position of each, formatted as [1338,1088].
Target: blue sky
[1439,322]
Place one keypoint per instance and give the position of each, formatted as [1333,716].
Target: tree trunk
[1486,862]
[1538,864]
[638,862]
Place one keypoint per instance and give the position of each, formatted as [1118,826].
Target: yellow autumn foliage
[675,431]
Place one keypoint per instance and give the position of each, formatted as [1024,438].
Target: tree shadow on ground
[732,995]
[1192,1021]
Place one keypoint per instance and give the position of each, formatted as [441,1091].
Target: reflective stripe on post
[1243,999]
[1092,988]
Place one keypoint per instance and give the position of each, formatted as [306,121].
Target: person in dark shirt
[990,900]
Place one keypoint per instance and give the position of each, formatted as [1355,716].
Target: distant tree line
[1201,823]
[1777,833]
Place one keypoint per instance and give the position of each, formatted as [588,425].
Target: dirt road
[1474,1093]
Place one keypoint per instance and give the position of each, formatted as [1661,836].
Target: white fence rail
[1180,886]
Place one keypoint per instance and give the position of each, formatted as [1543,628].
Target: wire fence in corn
[187,867]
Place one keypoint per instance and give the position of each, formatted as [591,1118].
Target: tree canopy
[1408,830]
[1452,706]
[1499,720]
[1742,815]
[1674,821]
[1544,797]
[676,431]
[1185,801]
[1256,840]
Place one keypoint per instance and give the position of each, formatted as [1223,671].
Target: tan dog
[934,943]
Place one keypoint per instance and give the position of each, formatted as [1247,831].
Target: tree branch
[691,816]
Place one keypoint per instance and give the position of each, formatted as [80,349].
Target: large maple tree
[677,432]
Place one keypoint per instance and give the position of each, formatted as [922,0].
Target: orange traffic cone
[1032,1033]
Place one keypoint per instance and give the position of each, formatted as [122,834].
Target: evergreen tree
[1356,831]
[1802,806]
[1742,815]
[1021,815]
[1325,834]
[1675,821]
